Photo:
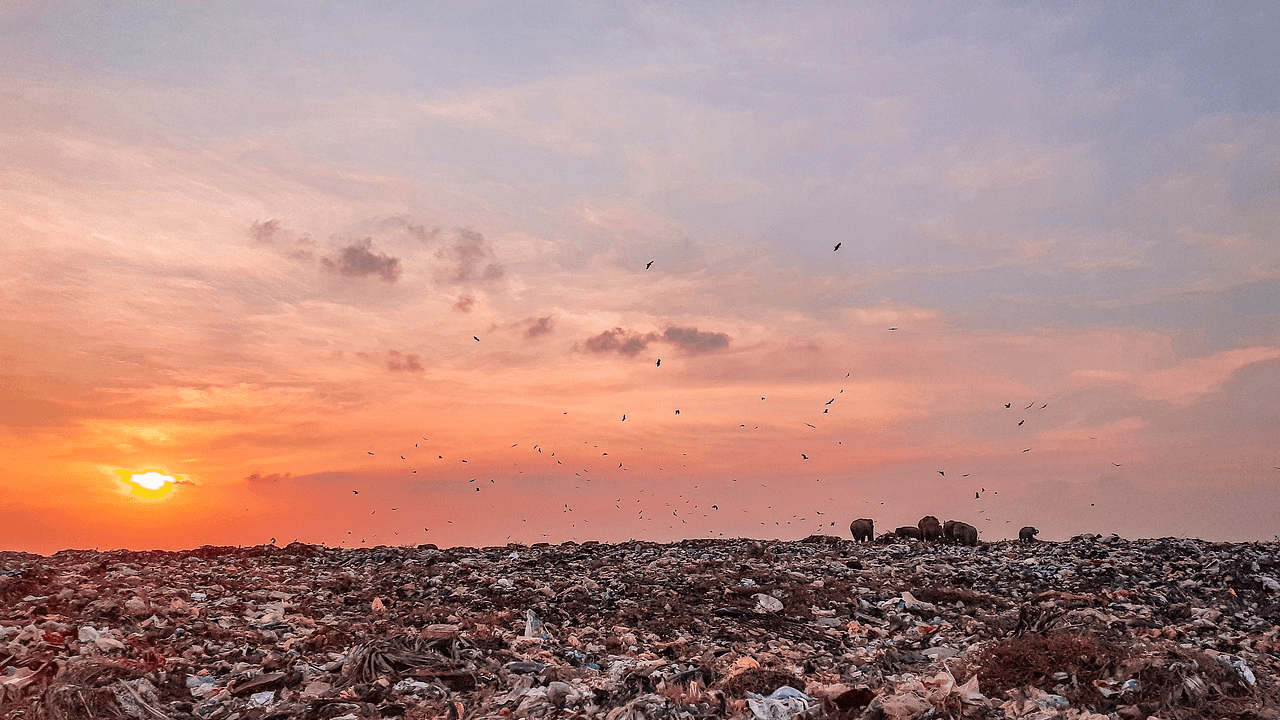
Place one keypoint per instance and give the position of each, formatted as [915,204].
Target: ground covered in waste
[1095,627]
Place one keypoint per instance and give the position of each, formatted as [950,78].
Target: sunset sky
[380,273]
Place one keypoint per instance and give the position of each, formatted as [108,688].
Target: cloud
[694,340]
[465,303]
[272,234]
[467,260]
[627,342]
[273,477]
[620,341]
[265,232]
[539,326]
[400,362]
[358,259]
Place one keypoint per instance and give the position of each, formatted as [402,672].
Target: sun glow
[149,484]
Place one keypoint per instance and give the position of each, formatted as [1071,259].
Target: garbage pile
[1095,627]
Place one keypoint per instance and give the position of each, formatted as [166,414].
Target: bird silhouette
[1008,405]
[837,247]
[648,265]
[806,457]
[624,418]
[355,492]
[892,328]
[473,337]
[943,474]
[1029,406]
[677,412]
[659,363]
[1020,422]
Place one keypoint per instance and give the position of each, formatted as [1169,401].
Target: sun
[148,484]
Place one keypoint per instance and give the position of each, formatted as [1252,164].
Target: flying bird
[1008,405]
[892,328]
[355,492]
[837,247]
[830,401]
[659,363]
[806,457]
[473,337]
[815,427]
[677,412]
[1027,450]
[369,451]
[943,474]
[1029,406]
[624,417]
[1020,422]
[648,265]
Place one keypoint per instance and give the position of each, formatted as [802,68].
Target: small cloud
[358,259]
[539,326]
[694,340]
[618,340]
[399,362]
[273,477]
[464,304]
[265,232]
[627,342]
[469,259]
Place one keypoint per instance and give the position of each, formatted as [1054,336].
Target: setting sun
[149,484]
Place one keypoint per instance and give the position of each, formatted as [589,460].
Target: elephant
[965,534]
[1028,534]
[930,529]
[909,531]
[863,529]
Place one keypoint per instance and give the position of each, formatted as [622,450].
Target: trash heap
[1095,627]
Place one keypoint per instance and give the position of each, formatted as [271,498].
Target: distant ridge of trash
[1090,628]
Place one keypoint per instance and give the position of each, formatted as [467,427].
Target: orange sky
[251,264]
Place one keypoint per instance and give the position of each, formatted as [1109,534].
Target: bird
[892,328]
[942,473]
[837,247]
[355,492]
[1020,422]
[369,451]
[1029,406]
[1008,405]
[677,412]
[473,337]
[624,417]
[830,401]
[1027,450]
[648,265]
[806,457]
[815,427]
[1119,465]
[976,496]
[659,363]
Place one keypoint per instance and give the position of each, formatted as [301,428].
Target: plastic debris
[784,703]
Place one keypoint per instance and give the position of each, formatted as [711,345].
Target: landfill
[1090,628]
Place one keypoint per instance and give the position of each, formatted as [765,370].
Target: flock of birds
[708,511]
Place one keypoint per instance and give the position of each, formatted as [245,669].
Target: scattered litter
[1094,627]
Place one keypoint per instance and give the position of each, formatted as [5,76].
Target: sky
[479,273]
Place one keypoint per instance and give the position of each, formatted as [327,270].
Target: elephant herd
[929,530]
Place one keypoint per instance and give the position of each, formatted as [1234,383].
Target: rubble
[1095,627]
